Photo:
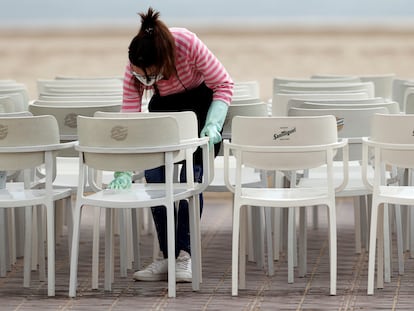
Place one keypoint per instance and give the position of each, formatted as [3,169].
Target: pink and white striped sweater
[195,64]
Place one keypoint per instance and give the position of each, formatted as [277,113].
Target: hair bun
[148,21]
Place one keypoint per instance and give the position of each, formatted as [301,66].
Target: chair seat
[285,197]
[138,195]
[354,187]
[16,190]
[397,194]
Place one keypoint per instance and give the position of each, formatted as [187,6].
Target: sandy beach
[253,54]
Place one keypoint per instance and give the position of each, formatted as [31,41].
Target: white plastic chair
[408,100]
[246,88]
[392,142]
[287,144]
[188,130]
[123,144]
[398,90]
[356,124]
[250,176]
[26,143]
[382,83]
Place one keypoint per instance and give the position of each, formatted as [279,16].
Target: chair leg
[380,252]
[250,241]
[198,232]
[50,215]
[74,254]
[242,247]
[123,242]
[235,249]
[27,247]
[171,250]
[95,246]
[268,225]
[400,243]
[195,254]
[136,238]
[291,244]
[41,244]
[387,244]
[36,233]
[302,242]
[372,247]
[109,249]
[358,226]
[277,233]
[3,250]
[332,247]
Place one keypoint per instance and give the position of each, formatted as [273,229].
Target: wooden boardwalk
[262,293]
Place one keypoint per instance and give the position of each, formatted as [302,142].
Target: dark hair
[153,46]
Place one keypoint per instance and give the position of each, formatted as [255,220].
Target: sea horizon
[214,14]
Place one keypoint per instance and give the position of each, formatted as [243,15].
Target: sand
[256,54]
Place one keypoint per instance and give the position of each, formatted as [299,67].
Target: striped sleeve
[132,98]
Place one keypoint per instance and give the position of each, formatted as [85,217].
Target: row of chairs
[106,143]
[252,100]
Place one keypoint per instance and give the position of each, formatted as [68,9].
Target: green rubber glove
[214,122]
[122,180]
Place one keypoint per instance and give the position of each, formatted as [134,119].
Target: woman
[183,75]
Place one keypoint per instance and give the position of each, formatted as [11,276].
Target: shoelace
[156,265]
[184,263]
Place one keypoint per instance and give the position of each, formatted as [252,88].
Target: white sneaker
[157,271]
[183,273]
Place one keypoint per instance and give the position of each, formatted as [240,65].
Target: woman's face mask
[147,80]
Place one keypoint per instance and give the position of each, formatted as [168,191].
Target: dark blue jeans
[159,213]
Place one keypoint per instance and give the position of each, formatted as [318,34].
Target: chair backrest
[280,101]
[253,110]
[394,129]
[284,131]
[6,104]
[66,115]
[391,106]
[187,127]
[318,87]
[355,124]
[295,102]
[17,89]
[86,97]
[27,131]
[187,120]
[277,81]
[244,100]
[398,90]
[44,84]
[246,88]
[408,100]
[106,134]
[382,83]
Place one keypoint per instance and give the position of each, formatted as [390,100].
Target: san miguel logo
[119,132]
[3,131]
[71,120]
[283,134]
